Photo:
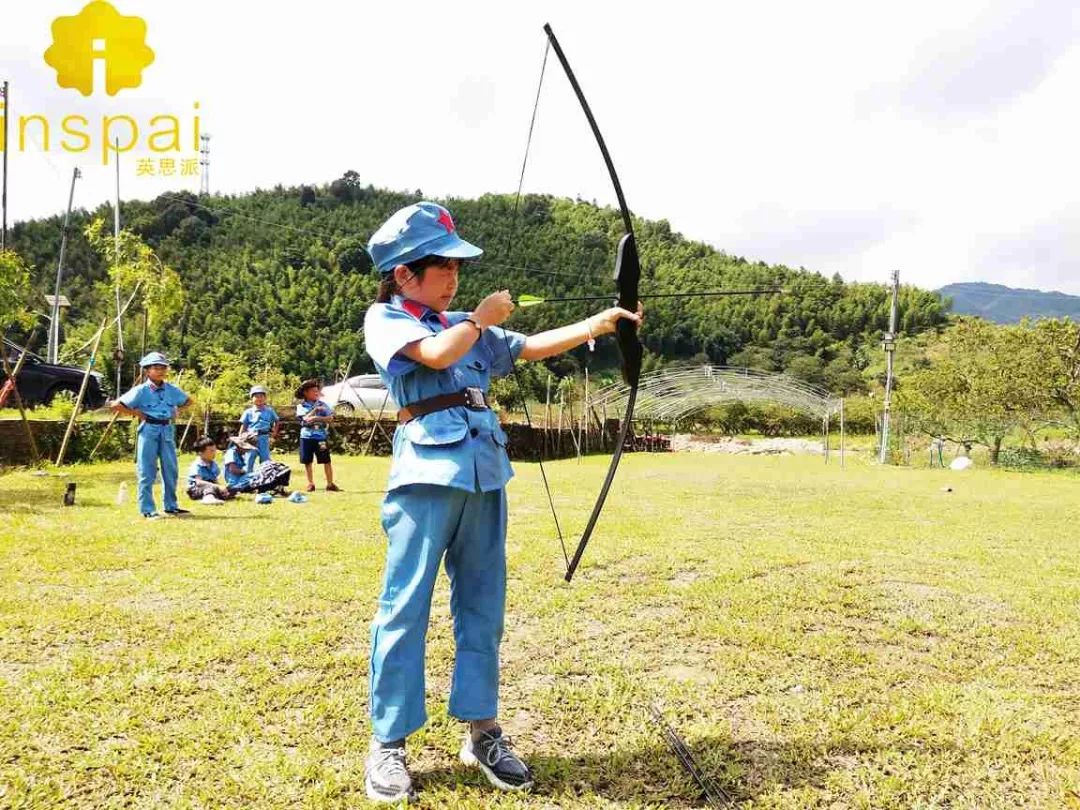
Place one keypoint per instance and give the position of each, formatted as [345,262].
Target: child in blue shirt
[314,416]
[155,403]
[446,498]
[271,476]
[203,474]
[262,419]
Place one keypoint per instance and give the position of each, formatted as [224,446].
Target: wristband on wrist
[475,323]
[590,340]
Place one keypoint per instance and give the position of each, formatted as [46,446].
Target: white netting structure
[669,395]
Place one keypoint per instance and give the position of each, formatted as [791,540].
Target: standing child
[155,403]
[262,419]
[314,416]
[446,499]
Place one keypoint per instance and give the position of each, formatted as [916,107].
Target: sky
[853,138]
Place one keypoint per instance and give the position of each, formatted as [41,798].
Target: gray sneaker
[387,779]
[492,755]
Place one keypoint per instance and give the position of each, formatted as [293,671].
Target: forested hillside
[281,277]
[1002,304]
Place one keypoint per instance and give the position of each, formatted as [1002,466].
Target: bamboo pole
[825,434]
[558,430]
[13,376]
[374,427]
[585,413]
[108,428]
[547,418]
[187,427]
[841,433]
[82,393]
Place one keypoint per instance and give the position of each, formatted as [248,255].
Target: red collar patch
[418,311]
[414,309]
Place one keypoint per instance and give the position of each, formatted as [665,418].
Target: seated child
[203,473]
[271,476]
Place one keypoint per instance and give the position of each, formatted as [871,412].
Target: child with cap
[446,497]
[155,403]
[203,474]
[314,416]
[262,419]
[271,476]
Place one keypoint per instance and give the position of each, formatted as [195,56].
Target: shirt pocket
[475,371]
[438,428]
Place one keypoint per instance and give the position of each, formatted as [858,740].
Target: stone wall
[347,437]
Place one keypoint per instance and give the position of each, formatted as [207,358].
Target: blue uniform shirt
[314,430]
[260,420]
[456,447]
[234,455]
[202,470]
[155,401]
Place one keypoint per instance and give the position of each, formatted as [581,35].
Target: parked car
[362,396]
[39,382]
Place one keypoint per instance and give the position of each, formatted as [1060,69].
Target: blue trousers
[154,443]
[425,525]
[262,453]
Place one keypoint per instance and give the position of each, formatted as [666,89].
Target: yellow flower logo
[99,31]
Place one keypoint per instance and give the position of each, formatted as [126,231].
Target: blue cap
[418,230]
[154,359]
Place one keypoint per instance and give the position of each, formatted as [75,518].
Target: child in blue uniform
[314,416]
[155,403]
[203,474]
[271,476]
[262,419]
[446,498]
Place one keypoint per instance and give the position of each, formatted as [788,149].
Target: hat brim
[450,246]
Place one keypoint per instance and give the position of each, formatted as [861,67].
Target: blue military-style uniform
[445,497]
[241,458]
[313,430]
[156,441]
[203,470]
[261,420]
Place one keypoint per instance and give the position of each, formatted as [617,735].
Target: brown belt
[471,398]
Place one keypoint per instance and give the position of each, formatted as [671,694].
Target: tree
[14,290]
[133,265]
[980,385]
[1057,349]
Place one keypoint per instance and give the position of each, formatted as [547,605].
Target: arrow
[525,301]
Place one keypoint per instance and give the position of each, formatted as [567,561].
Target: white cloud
[847,137]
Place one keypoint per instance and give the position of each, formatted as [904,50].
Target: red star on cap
[446,222]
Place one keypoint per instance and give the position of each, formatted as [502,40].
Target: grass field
[821,638]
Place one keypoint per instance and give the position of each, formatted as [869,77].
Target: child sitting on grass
[270,476]
[203,474]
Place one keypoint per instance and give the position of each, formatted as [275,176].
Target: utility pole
[118,357]
[888,343]
[204,161]
[54,326]
[5,95]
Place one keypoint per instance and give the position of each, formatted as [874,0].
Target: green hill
[1001,304]
[281,276]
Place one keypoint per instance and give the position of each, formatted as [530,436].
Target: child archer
[446,497]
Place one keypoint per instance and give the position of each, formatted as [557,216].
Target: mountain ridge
[1004,304]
